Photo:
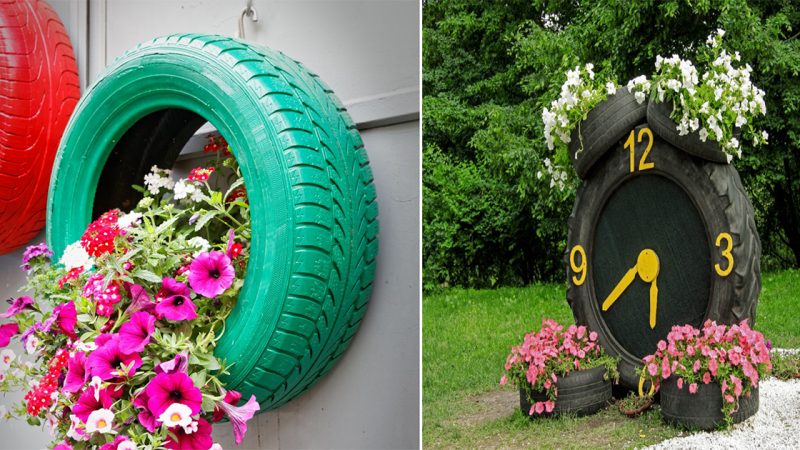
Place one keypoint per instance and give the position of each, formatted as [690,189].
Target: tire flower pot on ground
[708,378]
[312,199]
[702,409]
[39,89]
[581,392]
[560,371]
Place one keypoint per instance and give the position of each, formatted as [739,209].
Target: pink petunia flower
[77,376]
[693,388]
[232,398]
[107,361]
[64,445]
[198,439]
[134,335]
[239,415]
[211,273]
[140,299]
[174,302]
[165,389]
[17,306]
[91,400]
[146,418]
[706,378]
[66,318]
[180,363]
[121,442]
[7,331]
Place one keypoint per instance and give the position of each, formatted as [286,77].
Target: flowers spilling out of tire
[560,370]
[709,377]
[709,113]
[122,330]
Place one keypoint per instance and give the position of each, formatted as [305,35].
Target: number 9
[579,270]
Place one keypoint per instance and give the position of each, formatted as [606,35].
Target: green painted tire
[313,208]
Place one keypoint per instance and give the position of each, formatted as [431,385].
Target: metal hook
[250,12]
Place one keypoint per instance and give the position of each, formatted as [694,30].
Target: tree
[488,70]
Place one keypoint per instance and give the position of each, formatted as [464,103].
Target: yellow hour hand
[620,288]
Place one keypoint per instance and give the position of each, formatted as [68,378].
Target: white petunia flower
[610,88]
[182,189]
[176,414]
[32,344]
[100,420]
[7,356]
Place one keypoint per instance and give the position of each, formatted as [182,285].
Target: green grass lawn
[468,333]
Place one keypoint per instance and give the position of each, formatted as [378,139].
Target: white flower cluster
[76,256]
[558,177]
[578,96]
[158,178]
[639,87]
[724,99]
[187,190]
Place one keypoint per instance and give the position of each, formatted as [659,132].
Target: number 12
[643,164]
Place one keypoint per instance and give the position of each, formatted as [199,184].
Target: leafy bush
[489,68]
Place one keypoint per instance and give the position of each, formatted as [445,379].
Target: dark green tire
[313,208]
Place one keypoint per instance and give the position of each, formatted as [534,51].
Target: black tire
[702,410]
[606,124]
[717,192]
[313,201]
[580,393]
[658,117]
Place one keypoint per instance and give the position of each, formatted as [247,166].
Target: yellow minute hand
[653,303]
[620,288]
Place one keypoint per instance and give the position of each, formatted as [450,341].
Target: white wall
[368,52]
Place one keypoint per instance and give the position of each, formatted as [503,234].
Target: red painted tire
[38,91]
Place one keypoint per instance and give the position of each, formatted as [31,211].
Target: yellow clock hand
[653,303]
[620,288]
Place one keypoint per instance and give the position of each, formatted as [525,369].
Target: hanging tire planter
[313,208]
[38,91]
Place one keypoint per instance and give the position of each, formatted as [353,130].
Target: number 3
[726,253]
[579,270]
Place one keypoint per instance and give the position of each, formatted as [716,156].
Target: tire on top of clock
[723,223]
[603,127]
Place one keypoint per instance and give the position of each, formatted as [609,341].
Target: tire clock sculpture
[658,236]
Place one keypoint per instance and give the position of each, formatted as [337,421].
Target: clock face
[651,265]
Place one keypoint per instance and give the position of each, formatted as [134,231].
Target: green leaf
[146,275]
[203,220]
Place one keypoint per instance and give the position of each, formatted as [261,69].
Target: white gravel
[776,425]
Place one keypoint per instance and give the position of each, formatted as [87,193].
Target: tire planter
[38,91]
[702,410]
[313,207]
[721,204]
[658,117]
[606,124]
[581,393]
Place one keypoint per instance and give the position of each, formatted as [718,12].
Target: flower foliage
[716,105]
[550,353]
[735,357]
[122,330]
